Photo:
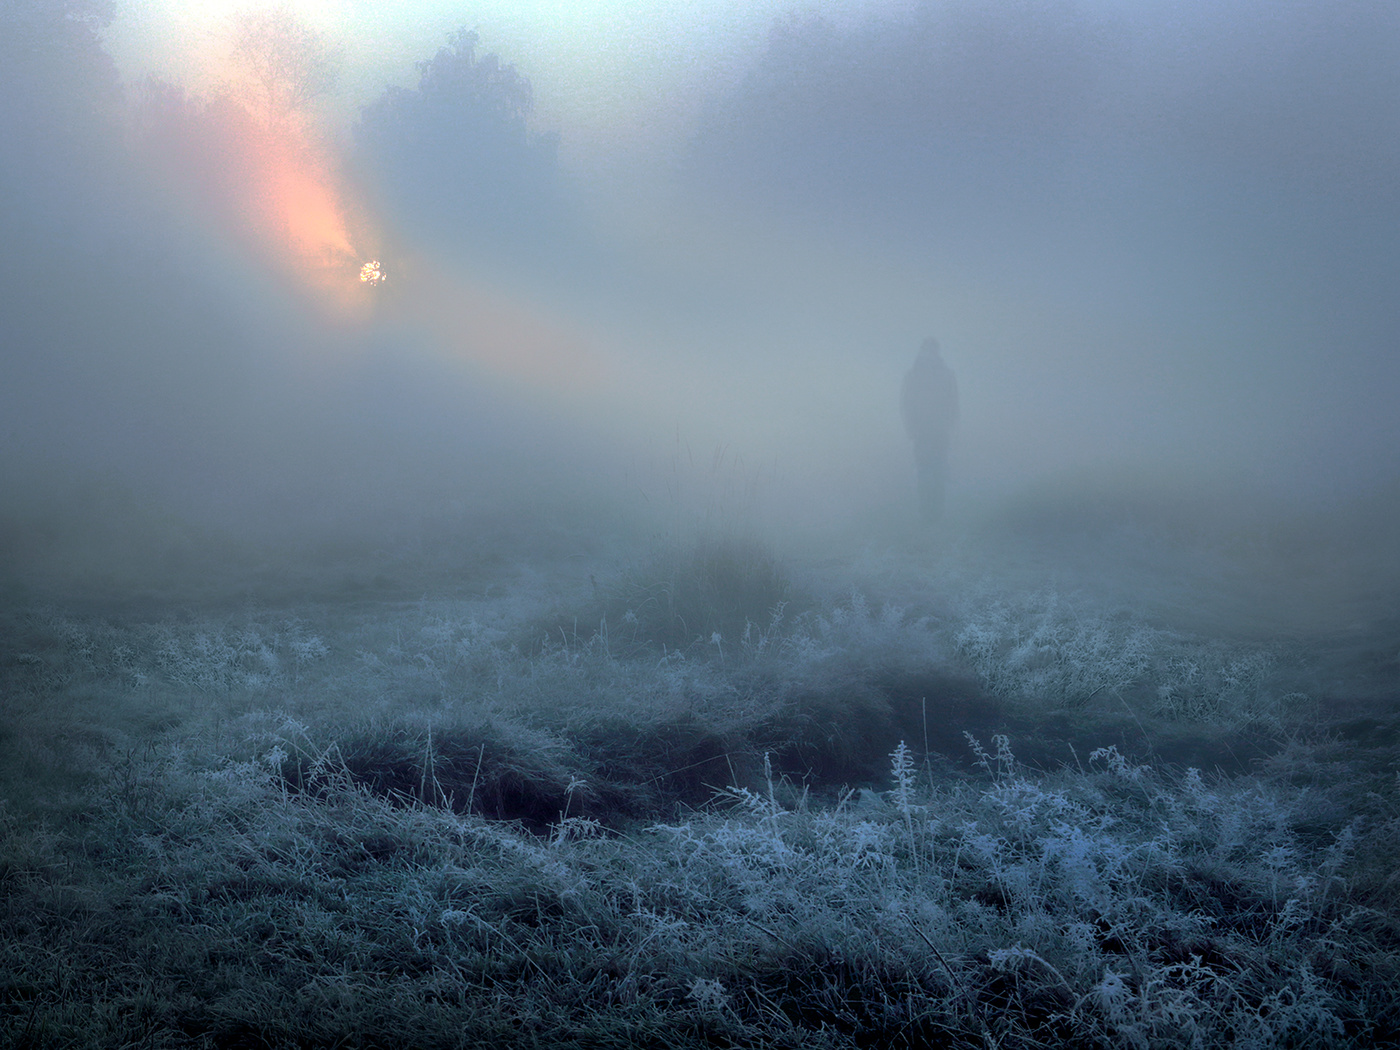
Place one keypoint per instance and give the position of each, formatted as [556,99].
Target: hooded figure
[929,401]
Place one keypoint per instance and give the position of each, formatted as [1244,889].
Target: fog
[1158,244]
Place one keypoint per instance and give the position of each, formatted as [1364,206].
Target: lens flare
[371,273]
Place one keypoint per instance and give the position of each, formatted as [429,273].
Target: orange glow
[300,212]
[276,188]
[278,191]
[307,208]
[495,330]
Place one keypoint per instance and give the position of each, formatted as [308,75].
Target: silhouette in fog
[929,402]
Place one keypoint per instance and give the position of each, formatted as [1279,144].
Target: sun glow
[278,190]
[271,183]
[468,319]
[307,208]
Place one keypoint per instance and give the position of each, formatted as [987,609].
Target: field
[699,792]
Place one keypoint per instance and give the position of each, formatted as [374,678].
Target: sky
[1157,241]
[614,72]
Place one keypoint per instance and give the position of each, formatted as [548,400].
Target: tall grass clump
[725,594]
[1055,651]
[202,900]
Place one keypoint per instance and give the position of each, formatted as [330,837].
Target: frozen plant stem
[476,775]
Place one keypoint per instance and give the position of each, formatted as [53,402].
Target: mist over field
[1157,246]
[472,521]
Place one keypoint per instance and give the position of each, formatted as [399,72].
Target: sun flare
[290,200]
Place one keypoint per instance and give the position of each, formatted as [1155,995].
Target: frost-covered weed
[1192,1004]
[709,996]
[78,649]
[1045,648]
[214,658]
[855,630]
[1213,682]
[902,771]
[766,638]
[1000,765]
[1049,649]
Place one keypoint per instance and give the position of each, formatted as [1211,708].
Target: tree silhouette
[455,158]
[60,121]
[481,87]
[287,63]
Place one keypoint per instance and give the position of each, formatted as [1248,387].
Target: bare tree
[287,63]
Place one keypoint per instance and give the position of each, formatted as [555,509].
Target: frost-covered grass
[1046,648]
[679,812]
[1116,906]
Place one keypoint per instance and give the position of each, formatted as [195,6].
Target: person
[929,402]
